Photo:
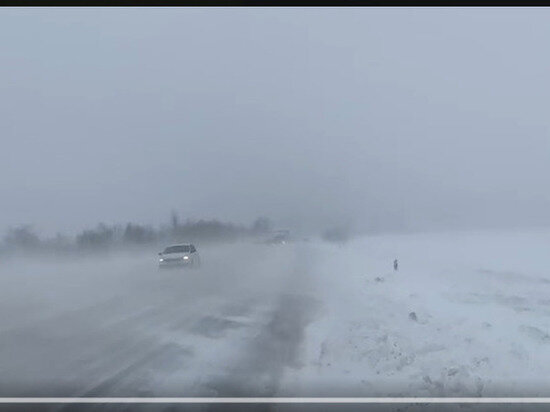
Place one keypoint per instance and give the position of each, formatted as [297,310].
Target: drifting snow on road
[120,327]
[466,315]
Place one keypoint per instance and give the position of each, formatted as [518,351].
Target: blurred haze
[379,118]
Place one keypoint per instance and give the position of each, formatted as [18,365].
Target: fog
[367,189]
[408,119]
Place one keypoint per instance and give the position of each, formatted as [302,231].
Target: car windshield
[177,249]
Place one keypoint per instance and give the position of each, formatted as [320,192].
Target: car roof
[181,244]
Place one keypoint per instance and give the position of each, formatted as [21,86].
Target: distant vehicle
[278,237]
[179,256]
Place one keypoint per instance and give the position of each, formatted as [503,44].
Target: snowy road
[119,327]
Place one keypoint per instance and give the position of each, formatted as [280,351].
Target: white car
[179,255]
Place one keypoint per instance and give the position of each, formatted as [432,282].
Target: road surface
[116,326]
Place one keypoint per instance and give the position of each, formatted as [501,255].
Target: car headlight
[185,257]
[161,260]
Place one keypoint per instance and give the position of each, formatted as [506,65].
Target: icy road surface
[467,314]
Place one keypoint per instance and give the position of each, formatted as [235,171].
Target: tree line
[108,237]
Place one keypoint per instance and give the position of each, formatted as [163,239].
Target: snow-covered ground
[466,314]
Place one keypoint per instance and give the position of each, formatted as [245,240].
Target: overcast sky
[427,117]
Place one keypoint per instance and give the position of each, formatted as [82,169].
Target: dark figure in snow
[395,265]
